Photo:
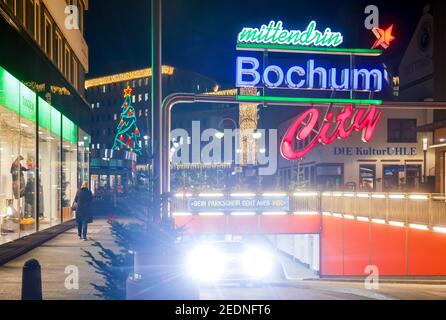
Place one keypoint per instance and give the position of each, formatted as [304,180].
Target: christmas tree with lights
[127,135]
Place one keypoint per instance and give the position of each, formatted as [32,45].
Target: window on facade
[81,16]
[330,176]
[367,177]
[146,97]
[75,74]
[67,65]
[402,130]
[37,25]
[134,99]
[115,117]
[48,36]
[19,10]
[58,50]
[10,4]
[29,16]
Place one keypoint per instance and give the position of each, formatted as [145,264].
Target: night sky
[200,35]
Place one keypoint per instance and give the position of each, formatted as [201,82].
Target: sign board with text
[243,204]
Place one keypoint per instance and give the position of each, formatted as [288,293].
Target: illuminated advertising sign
[244,204]
[274,33]
[346,122]
[308,73]
[308,76]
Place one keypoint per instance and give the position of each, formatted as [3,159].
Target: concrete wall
[304,248]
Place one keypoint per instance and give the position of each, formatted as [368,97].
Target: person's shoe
[84,239]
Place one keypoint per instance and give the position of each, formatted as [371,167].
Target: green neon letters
[273,33]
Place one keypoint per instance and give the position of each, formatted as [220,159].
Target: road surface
[67,249]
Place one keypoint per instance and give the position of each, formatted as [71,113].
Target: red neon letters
[346,122]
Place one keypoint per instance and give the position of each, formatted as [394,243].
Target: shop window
[404,178]
[69,167]
[17,159]
[330,176]
[367,177]
[402,130]
[83,158]
[49,159]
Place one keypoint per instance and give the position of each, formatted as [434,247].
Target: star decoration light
[128,92]
[384,37]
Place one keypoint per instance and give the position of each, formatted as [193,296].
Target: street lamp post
[157,104]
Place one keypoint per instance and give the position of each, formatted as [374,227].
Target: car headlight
[205,264]
[257,262]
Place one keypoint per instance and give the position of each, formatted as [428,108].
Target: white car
[230,261]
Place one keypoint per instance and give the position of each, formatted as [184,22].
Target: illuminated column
[248,120]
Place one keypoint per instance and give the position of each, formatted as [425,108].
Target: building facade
[111,170]
[44,131]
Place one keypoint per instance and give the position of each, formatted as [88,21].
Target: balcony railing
[423,211]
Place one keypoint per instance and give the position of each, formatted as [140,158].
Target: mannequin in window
[18,178]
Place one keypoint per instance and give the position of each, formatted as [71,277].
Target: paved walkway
[54,256]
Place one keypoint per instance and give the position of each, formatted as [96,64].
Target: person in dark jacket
[84,214]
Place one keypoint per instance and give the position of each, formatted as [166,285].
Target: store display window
[50,170]
[69,167]
[34,134]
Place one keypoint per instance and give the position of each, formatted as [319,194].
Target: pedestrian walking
[82,206]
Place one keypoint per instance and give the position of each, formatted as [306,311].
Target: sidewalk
[54,256]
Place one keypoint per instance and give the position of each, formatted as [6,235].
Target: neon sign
[346,122]
[384,37]
[298,77]
[273,33]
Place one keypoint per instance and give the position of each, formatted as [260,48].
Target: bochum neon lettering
[346,122]
[298,77]
[273,33]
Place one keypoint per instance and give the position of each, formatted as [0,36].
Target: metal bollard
[31,281]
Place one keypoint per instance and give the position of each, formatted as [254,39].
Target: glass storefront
[50,165]
[34,135]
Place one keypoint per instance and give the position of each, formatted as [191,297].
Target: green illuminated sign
[27,103]
[44,114]
[273,99]
[273,33]
[9,91]
[69,130]
[309,50]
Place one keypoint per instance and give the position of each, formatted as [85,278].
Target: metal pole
[157,103]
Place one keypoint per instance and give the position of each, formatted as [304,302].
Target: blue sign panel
[234,204]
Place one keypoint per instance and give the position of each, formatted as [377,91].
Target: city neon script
[346,122]
[273,33]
